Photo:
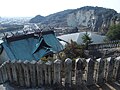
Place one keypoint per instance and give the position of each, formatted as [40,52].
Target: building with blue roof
[32,46]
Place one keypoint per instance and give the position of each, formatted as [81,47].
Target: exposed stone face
[94,18]
[80,18]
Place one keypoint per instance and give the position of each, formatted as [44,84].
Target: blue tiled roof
[31,47]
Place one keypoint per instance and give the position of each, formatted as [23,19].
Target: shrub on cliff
[114,32]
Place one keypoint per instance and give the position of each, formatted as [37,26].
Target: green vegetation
[86,40]
[114,32]
[73,50]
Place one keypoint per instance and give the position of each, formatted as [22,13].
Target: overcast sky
[20,8]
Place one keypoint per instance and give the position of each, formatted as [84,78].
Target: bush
[114,32]
[73,50]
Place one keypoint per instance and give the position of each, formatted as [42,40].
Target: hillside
[37,19]
[95,18]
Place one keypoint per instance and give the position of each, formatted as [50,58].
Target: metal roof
[77,37]
[31,46]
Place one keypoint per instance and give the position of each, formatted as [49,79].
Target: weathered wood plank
[101,77]
[96,69]
[90,71]
[32,67]
[116,66]
[14,72]
[79,68]
[9,71]
[48,73]
[57,72]
[25,67]
[20,73]
[68,72]
[40,76]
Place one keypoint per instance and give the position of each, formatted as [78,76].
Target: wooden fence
[112,44]
[81,72]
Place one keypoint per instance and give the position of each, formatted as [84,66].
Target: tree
[86,40]
[73,50]
[114,32]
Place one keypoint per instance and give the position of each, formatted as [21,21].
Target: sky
[30,8]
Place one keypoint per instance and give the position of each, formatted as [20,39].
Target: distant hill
[37,19]
[88,16]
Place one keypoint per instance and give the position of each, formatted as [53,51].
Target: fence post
[57,73]
[1,76]
[90,72]
[9,70]
[79,68]
[101,77]
[68,72]
[115,70]
[4,73]
[20,73]
[111,62]
[118,70]
[5,70]
[32,67]
[96,69]
[106,69]
[14,72]
[48,72]
[40,76]
[25,67]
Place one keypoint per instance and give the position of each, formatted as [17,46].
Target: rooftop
[32,46]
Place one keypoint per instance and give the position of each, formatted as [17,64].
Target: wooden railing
[112,44]
[58,73]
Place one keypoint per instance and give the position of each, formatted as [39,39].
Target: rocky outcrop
[93,18]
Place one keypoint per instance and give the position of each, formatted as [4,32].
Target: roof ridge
[24,35]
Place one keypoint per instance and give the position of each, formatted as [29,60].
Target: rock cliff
[92,18]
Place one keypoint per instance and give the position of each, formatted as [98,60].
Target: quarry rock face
[92,18]
[80,18]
